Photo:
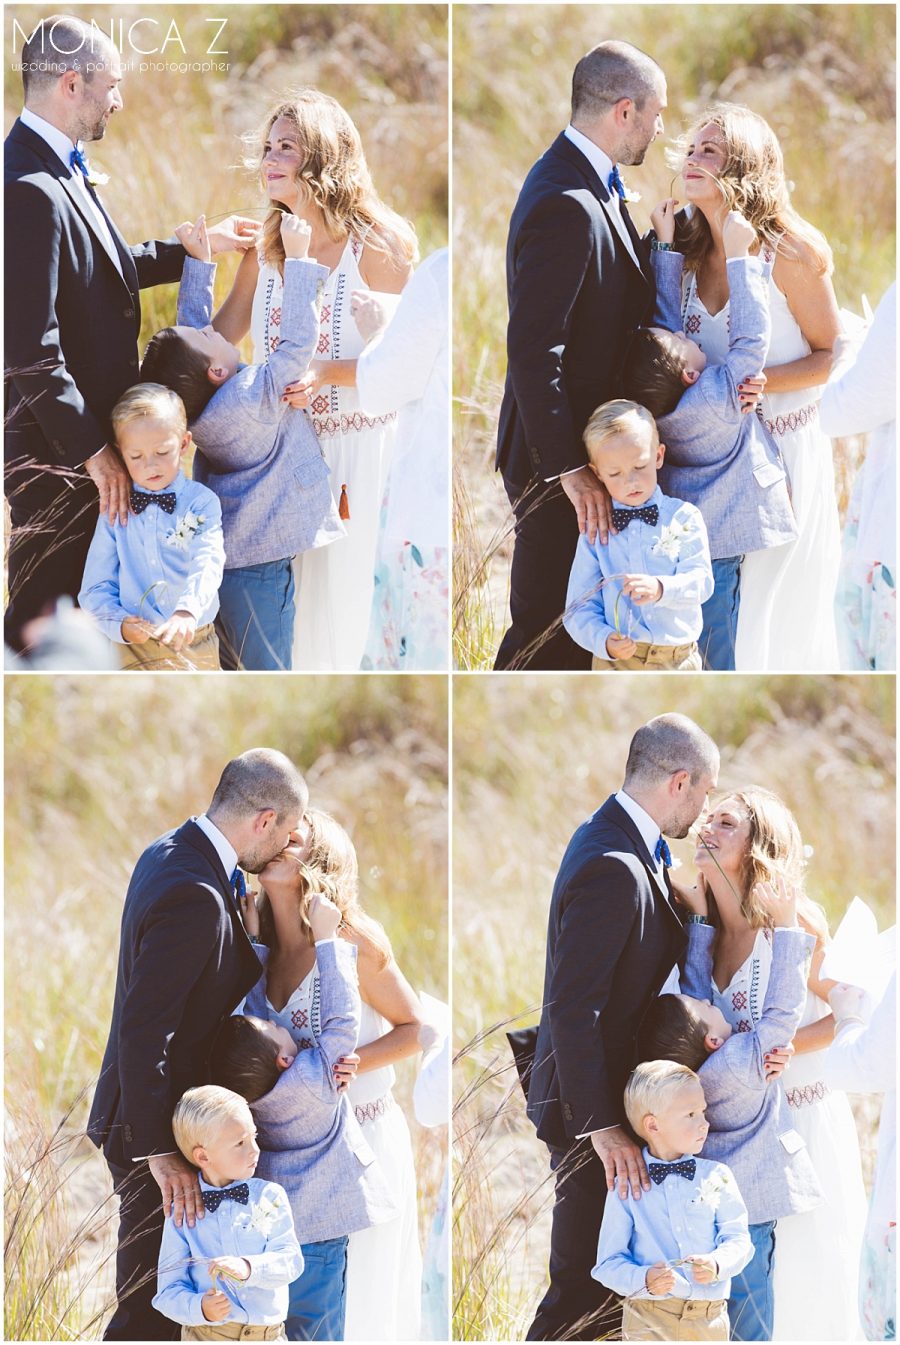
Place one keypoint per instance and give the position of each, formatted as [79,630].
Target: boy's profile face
[684,349]
[627,463]
[679,1127]
[231,1153]
[152,450]
[718,1028]
[222,356]
[280,1038]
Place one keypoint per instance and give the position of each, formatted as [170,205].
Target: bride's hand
[237,233]
[779,901]
[694,898]
[301,392]
[663,220]
[250,914]
[323,916]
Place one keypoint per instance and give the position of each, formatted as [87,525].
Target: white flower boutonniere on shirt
[670,540]
[185,529]
[711,1189]
[262,1217]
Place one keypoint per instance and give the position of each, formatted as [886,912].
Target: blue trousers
[720,615]
[255,624]
[317,1300]
[751,1307]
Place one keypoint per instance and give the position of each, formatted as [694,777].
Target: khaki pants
[684,657]
[202,653]
[233,1331]
[675,1319]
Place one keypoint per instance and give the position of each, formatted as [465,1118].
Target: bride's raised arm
[233,318]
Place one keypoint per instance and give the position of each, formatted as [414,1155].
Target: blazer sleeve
[668,270]
[158,263]
[592,934]
[696,979]
[34,357]
[555,246]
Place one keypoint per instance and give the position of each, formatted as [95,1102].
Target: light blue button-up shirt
[262,1231]
[676,1219]
[158,563]
[675,551]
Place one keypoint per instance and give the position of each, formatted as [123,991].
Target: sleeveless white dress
[384,1263]
[335,583]
[786,619]
[817,1254]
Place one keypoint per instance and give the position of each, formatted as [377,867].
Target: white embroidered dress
[816,1270]
[334,591]
[384,1263]
[786,620]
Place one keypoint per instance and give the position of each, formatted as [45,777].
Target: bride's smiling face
[282,160]
[705,161]
[724,839]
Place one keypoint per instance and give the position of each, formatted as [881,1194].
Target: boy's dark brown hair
[169,360]
[653,372]
[670,1030]
[243,1058]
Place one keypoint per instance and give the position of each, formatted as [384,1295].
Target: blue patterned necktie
[647,513]
[662,852]
[140,500]
[615,183]
[213,1199]
[685,1167]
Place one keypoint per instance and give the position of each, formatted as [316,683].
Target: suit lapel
[563,147]
[74,195]
[616,814]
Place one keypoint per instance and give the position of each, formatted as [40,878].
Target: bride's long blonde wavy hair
[336,178]
[775,850]
[752,182]
[331,869]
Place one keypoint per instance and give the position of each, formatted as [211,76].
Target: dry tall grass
[95,769]
[533,755]
[821,74]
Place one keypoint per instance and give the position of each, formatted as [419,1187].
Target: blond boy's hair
[617,417]
[150,400]
[650,1087]
[201,1112]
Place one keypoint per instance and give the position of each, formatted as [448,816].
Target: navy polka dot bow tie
[213,1199]
[77,160]
[648,513]
[615,183]
[140,500]
[685,1167]
[662,852]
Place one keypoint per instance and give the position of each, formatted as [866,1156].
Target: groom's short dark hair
[258,779]
[169,360]
[611,71]
[667,744]
[59,43]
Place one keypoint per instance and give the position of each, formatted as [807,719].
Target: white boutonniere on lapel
[185,530]
[96,178]
[630,197]
[669,541]
[710,1192]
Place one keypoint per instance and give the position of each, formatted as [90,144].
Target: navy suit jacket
[612,940]
[67,308]
[184,962]
[575,295]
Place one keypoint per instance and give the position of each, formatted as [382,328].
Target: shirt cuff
[599,1131]
[170,1153]
[571,472]
[319,942]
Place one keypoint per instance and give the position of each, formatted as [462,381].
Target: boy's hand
[178,631]
[301,392]
[703,1269]
[620,646]
[323,916]
[195,240]
[642,588]
[660,1279]
[238,1267]
[215,1305]
[345,1070]
[663,220]
[135,630]
[779,901]
[368,313]
[295,235]
[694,899]
[738,235]
[751,393]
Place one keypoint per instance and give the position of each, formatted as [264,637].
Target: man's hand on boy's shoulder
[180,1187]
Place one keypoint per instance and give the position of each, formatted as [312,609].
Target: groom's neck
[601,136]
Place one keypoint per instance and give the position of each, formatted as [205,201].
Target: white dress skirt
[786,620]
[335,583]
[817,1254]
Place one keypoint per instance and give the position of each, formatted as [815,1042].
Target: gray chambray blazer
[310,1140]
[260,456]
[750,1123]
[726,463]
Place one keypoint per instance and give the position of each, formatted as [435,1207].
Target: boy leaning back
[228,1276]
[672,1253]
[153,584]
[635,601]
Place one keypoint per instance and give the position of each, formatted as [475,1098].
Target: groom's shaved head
[668,744]
[613,70]
[259,779]
[59,43]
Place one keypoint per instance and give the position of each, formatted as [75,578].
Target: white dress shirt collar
[650,832]
[58,141]
[223,847]
[598,158]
